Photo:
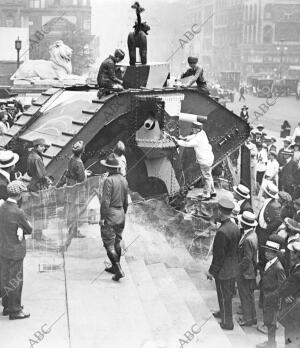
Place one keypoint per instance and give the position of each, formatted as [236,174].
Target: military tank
[144,116]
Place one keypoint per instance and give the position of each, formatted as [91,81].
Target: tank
[144,116]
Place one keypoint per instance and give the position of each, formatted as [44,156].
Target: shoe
[19,315]
[217,315]
[5,312]
[242,322]
[110,270]
[226,327]
[118,273]
[262,328]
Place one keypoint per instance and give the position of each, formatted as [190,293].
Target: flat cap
[16,187]
[226,205]
[192,60]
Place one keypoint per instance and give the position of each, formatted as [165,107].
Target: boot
[118,272]
[110,269]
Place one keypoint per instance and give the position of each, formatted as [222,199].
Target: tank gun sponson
[144,116]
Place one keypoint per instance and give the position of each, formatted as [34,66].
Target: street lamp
[18,46]
[281,49]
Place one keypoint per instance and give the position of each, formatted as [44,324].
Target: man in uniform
[107,78]
[224,265]
[197,72]
[39,181]
[114,205]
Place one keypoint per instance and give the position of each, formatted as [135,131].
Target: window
[10,22]
[37,3]
[267,34]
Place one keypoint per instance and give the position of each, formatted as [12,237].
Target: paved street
[285,108]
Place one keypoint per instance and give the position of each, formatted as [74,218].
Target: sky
[112,20]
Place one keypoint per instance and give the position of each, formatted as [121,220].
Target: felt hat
[292,225]
[78,146]
[271,190]
[275,246]
[111,161]
[198,125]
[226,205]
[242,191]
[8,158]
[119,53]
[15,188]
[39,141]
[192,60]
[248,219]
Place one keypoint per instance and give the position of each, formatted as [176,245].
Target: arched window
[267,34]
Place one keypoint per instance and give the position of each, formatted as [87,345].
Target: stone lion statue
[58,67]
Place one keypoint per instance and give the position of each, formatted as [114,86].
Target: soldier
[107,78]
[114,205]
[197,72]
[225,263]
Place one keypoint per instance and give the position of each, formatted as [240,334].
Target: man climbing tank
[195,74]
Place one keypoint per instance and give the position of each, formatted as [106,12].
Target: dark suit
[289,316]
[246,206]
[12,253]
[287,177]
[273,220]
[224,267]
[271,280]
[246,281]
[3,187]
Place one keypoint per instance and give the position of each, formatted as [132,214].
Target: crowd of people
[261,251]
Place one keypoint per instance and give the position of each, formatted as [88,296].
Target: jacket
[12,217]
[107,72]
[76,171]
[225,251]
[272,216]
[198,73]
[114,202]
[271,281]
[246,206]
[291,286]
[36,169]
[247,256]
[288,172]
[3,186]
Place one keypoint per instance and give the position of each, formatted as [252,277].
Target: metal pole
[18,58]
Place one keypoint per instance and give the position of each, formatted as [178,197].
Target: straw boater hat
[248,219]
[294,243]
[292,225]
[242,191]
[287,152]
[198,125]
[271,190]
[111,161]
[8,158]
[275,246]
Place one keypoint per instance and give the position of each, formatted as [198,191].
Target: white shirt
[123,164]
[201,145]
[270,263]
[296,133]
[261,220]
[262,159]
[272,169]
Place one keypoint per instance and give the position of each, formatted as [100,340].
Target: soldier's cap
[198,125]
[292,225]
[15,188]
[226,205]
[8,158]
[192,60]
[242,191]
[111,161]
[271,190]
[294,243]
[119,53]
[39,141]
[248,219]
